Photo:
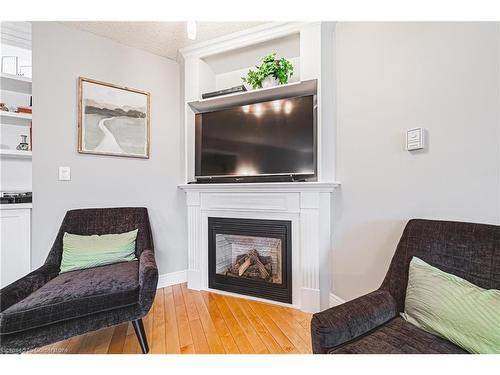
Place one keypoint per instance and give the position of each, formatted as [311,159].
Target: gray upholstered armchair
[44,307]
[371,323]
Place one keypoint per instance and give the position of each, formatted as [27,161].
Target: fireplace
[250,257]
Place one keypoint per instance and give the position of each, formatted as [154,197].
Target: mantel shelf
[262,187]
[301,88]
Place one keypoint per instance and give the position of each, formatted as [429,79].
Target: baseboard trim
[335,300]
[172,278]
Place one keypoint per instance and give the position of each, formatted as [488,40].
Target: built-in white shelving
[16,166]
[221,63]
[23,116]
[16,206]
[16,83]
[301,88]
[16,154]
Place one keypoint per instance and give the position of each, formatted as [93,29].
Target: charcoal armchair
[372,324]
[44,306]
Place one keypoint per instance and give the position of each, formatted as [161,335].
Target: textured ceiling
[160,38]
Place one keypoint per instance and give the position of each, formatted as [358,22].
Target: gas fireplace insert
[250,257]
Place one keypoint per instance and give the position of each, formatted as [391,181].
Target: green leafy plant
[281,69]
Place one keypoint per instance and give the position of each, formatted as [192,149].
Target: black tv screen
[264,139]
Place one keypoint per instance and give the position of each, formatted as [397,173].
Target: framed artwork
[112,119]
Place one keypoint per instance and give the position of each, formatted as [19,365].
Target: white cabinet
[15,242]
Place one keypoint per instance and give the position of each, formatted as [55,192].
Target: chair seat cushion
[398,337]
[74,294]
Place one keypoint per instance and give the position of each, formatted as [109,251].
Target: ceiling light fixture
[191,30]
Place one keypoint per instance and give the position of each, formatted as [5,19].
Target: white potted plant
[271,73]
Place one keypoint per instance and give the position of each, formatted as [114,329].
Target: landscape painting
[113,120]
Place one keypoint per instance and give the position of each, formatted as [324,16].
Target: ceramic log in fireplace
[250,257]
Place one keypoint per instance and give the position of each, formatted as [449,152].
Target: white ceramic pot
[269,81]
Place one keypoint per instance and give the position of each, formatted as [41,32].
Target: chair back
[104,221]
[467,250]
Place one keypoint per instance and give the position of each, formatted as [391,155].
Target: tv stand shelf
[301,88]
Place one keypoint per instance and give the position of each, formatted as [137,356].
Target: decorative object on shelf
[13,197]
[24,110]
[10,65]
[232,90]
[25,70]
[269,81]
[23,145]
[113,120]
[271,73]
[3,107]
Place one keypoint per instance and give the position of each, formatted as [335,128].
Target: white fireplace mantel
[325,187]
[308,205]
[216,64]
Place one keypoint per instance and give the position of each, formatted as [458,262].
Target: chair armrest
[343,323]
[22,288]
[148,279]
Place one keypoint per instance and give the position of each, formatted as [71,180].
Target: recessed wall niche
[224,70]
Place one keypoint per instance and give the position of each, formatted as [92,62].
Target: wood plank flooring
[184,321]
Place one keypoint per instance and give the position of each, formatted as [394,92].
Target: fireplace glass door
[251,257]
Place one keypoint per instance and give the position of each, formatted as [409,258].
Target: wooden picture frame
[113,120]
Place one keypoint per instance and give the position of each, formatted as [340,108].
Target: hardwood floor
[184,321]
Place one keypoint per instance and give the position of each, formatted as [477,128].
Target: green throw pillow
[453,308]
[90,251]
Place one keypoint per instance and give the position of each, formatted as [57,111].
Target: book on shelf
[24,110]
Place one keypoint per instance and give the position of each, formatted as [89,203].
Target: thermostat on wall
[415,139]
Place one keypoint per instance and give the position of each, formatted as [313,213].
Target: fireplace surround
[251,257]
[306,205]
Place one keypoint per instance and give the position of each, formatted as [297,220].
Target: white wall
[60,55]
[395,76]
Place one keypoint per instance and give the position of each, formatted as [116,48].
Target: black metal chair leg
[141,335]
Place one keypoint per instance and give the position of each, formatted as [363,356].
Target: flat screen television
[274,138]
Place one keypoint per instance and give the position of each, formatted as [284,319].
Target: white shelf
[12,82]
[247,97]
[16,206]
[15,154]
[23,116]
